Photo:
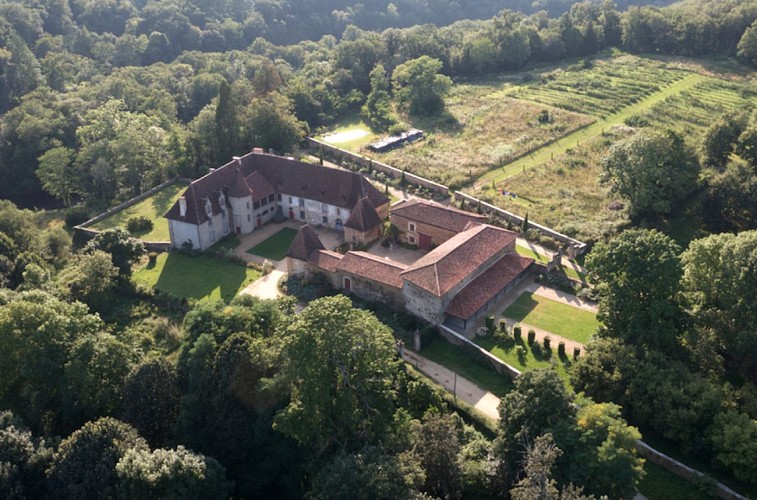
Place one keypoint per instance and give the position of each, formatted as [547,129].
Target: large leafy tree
[377,110]
[638,275]
[341,369]
[419,87]
[653,171]
[719,280]
[437,446]
[124,250]
[58,174]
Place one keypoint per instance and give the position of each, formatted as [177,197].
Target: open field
[567,321]
[153,208]
[275,247]
[195,277]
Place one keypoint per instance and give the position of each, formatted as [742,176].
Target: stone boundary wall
[381,167]
[578,247]
[668,463]
[84,232]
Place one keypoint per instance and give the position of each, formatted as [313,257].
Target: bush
[140,224]
[576,352]
[76,215]
[520,351]
[531,336]
[152,257]
[503,325]
[536,350]
[489,322]
[561,349]
[516,332]
[547,341]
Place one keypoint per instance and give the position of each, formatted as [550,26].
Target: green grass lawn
[195,277]
[350,124]
[564,320]
[153,208]
[507,352]
[659,484]
[454,358]
[275,247]
[527,252]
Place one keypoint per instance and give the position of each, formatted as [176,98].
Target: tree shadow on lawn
[522,307]
[165,198]
[198,277]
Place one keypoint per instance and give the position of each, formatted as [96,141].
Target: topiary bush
[139,224]
[489,322]
[503,325]
[531,336]
[576,352]
[561,349]
[516,332]
[547,341]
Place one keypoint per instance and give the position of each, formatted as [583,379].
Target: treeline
[63,82]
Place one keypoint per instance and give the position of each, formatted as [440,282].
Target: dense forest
[112,388]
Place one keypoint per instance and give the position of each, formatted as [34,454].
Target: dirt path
[483,401]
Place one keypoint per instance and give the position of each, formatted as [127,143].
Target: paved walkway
[482,400]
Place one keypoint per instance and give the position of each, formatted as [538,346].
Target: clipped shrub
[139,224]
[536,349]
[502,325]
[576,352]
[152,257]
[516,332]
[531,336]
[561,349]
[520,351]
[547,341]
[489,322]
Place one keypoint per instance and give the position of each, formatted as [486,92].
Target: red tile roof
[435,214]
[479,291]
[325,259]
[363,217]
[457,258]
[372,267]
[305,242]
[294,178]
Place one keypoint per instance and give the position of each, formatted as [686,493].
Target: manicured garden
[276,246]
[561,319]
[152,208]
[195,277]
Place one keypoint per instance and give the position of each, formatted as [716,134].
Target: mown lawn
[195,277]
[340,135]
[153,208]
[564,320]
[531,254]
[275,247]
[660,484]
[454,358]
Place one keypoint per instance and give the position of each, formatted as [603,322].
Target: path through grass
[195,277]
[276,246]
[561,319]
[153,208]
[573,140]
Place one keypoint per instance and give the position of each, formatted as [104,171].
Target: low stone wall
[578,247]
[381,167]
[457,339]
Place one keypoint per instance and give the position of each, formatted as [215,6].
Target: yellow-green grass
[530,360]
[561,319]
[659,484]
[275,247]
[531,254]
[454,358]
[573,272]
[195,277]
[573,140]
[349,124]
[152,207]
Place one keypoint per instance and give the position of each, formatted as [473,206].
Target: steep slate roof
[363,217]
[240,188]
[445,266]
[327,185]
[435,214]
[305,242]
[372,267]
[479,291]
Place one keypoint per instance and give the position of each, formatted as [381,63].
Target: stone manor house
[465,265]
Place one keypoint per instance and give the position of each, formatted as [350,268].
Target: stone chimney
[182,206]
[237,159]
[257,151]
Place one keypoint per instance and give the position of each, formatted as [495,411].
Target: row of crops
[600,90]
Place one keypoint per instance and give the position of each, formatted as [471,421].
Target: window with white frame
[411,227]
[411,239]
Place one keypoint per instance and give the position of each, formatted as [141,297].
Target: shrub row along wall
[83,231]
[381,167]
[578,247]
[670,464]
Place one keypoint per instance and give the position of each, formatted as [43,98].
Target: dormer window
[222,201]
[208,207]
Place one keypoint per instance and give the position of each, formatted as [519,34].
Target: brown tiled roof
[445,266]
[240,188]
[435,214]
[327,185]
[304,244]
[363,217]
[479,291]
[325,259]
[261,188]
[372,267]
